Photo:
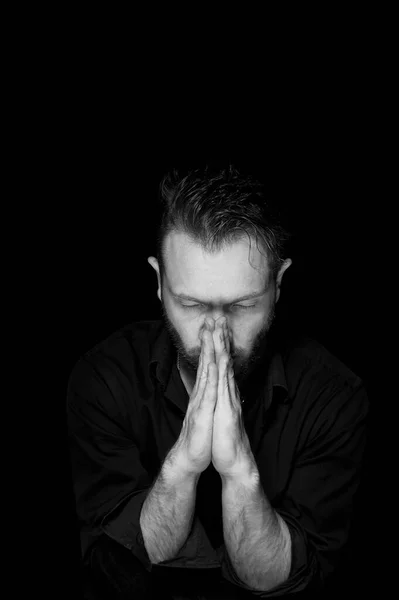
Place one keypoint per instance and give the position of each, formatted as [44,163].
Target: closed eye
[239,306]
[244,305]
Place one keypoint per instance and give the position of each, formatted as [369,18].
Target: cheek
[244,330]
[189,331]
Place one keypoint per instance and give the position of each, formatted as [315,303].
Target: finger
[210,395]
[219,340]
[209,350]
[234,394]
[207,390]
[227,337]
[223,385]
[202,367]
[208,357]
[209,323]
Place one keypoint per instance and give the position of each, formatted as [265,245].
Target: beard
[244,362]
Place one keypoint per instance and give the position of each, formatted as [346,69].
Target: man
[213,454]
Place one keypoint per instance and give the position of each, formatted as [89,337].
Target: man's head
[220,253]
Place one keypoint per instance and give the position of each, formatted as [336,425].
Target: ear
[155,265]
[287,263]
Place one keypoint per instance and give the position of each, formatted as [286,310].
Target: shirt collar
[276,380]
[163,354]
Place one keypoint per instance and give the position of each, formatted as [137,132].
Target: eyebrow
[246,297]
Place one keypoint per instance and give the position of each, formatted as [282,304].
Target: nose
[217,317]
[213,319]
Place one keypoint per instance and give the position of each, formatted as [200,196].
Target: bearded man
[212,455]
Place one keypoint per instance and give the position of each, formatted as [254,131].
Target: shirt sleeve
[319,501]
[109,479]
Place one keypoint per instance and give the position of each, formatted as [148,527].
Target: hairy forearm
[257,539]
[167,513]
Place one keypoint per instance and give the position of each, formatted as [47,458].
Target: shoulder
[303,354]
[115,360]
[328,400]
[135,338]
[315,375]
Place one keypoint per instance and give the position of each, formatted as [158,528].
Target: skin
[217,281]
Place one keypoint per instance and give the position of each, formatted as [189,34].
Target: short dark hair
[216,209]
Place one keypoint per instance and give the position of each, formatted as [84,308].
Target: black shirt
[305,415]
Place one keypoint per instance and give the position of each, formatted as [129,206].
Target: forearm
[167,513]
[257,539]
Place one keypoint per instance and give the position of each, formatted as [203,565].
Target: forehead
[235,270]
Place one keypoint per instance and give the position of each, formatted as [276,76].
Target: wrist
[246,475]
[176,470]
